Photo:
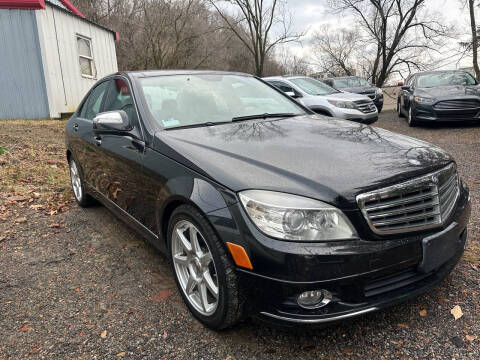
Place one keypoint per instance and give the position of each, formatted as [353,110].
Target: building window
[85,56]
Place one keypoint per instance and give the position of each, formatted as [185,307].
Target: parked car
[357,85]
[326,100]
[439,96]
[263,207]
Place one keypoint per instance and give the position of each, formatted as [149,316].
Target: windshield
[350,82]
[189,100]
[445,79]
[313,87]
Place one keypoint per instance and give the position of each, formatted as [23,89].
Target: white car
[326,100]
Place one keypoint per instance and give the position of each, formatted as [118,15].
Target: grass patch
[35,164]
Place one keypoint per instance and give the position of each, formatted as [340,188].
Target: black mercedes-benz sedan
[357,85]
[439,96]
[264,208]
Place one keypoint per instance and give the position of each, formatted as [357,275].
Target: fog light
[314,299]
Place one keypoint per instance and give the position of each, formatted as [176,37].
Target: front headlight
[342,104]
[379,91]
[292,217]
[423,100]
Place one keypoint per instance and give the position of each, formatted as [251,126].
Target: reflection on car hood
[346,96]
[448,91]
[315,156]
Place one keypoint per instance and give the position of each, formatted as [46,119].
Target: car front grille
[417,204]
[365,106]
[459,104]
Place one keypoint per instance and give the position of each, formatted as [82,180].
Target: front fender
[205,196]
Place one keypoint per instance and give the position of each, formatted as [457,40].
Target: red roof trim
[72,8]
[22,4]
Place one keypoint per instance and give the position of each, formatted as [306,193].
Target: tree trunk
[471,6]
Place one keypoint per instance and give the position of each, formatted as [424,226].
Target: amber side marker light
[239,255]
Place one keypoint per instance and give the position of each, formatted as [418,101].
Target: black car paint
[142,176]
[427,112]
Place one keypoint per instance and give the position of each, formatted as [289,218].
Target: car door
[120,155]
[83,142]
[407,94]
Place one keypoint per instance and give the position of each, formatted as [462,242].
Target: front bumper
[354,115]
[427,113]
[363,276]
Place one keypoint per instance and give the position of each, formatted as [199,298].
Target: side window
[284,87]
[120,98]
[411,81]
[92,105]
[85,56]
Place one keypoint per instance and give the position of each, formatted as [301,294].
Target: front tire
[78,188]
[203,271]
[411,119]
[399,110]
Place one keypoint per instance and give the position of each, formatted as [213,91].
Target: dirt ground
[79,284]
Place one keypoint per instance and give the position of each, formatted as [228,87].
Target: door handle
[98,140]
[75,127]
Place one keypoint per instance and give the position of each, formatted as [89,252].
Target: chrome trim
[322,320]
[443,197]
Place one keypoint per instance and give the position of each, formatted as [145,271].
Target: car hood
[345,96]
[448,91]
[314,156]
[360,89]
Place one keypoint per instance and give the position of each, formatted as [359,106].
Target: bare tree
[397,33]
[334,50]
[474,43]
[256,25]
[291,64]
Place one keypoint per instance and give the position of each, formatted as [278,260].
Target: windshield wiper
[263,116]
[207,123]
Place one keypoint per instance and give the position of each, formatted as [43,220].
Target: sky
[311,14]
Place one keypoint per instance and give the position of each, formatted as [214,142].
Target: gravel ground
[79,284]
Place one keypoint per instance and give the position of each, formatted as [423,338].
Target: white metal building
[50,57]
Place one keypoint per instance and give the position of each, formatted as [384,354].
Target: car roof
[285,77]
[440,72]
[151,73]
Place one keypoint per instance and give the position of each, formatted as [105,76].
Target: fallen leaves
[456,312]
[162,295]
[121,354]
[423,312]
[402,325]
[165,335]
[21,220]
[25,328]
[471,338]
[103,335]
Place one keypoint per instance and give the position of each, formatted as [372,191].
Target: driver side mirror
[292,94]
[112,121]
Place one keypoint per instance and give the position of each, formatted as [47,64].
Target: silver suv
[326,100]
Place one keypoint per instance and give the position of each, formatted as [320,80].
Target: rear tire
[189,267]
[78,188]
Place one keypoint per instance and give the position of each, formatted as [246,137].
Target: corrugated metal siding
[22,84]
[56,2]
[65,85]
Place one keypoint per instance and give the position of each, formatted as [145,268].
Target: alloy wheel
[195,268]
[76,180]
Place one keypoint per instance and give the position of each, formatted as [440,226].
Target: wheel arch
[202,195]
[321,111]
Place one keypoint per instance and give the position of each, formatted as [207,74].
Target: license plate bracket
[439,248]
